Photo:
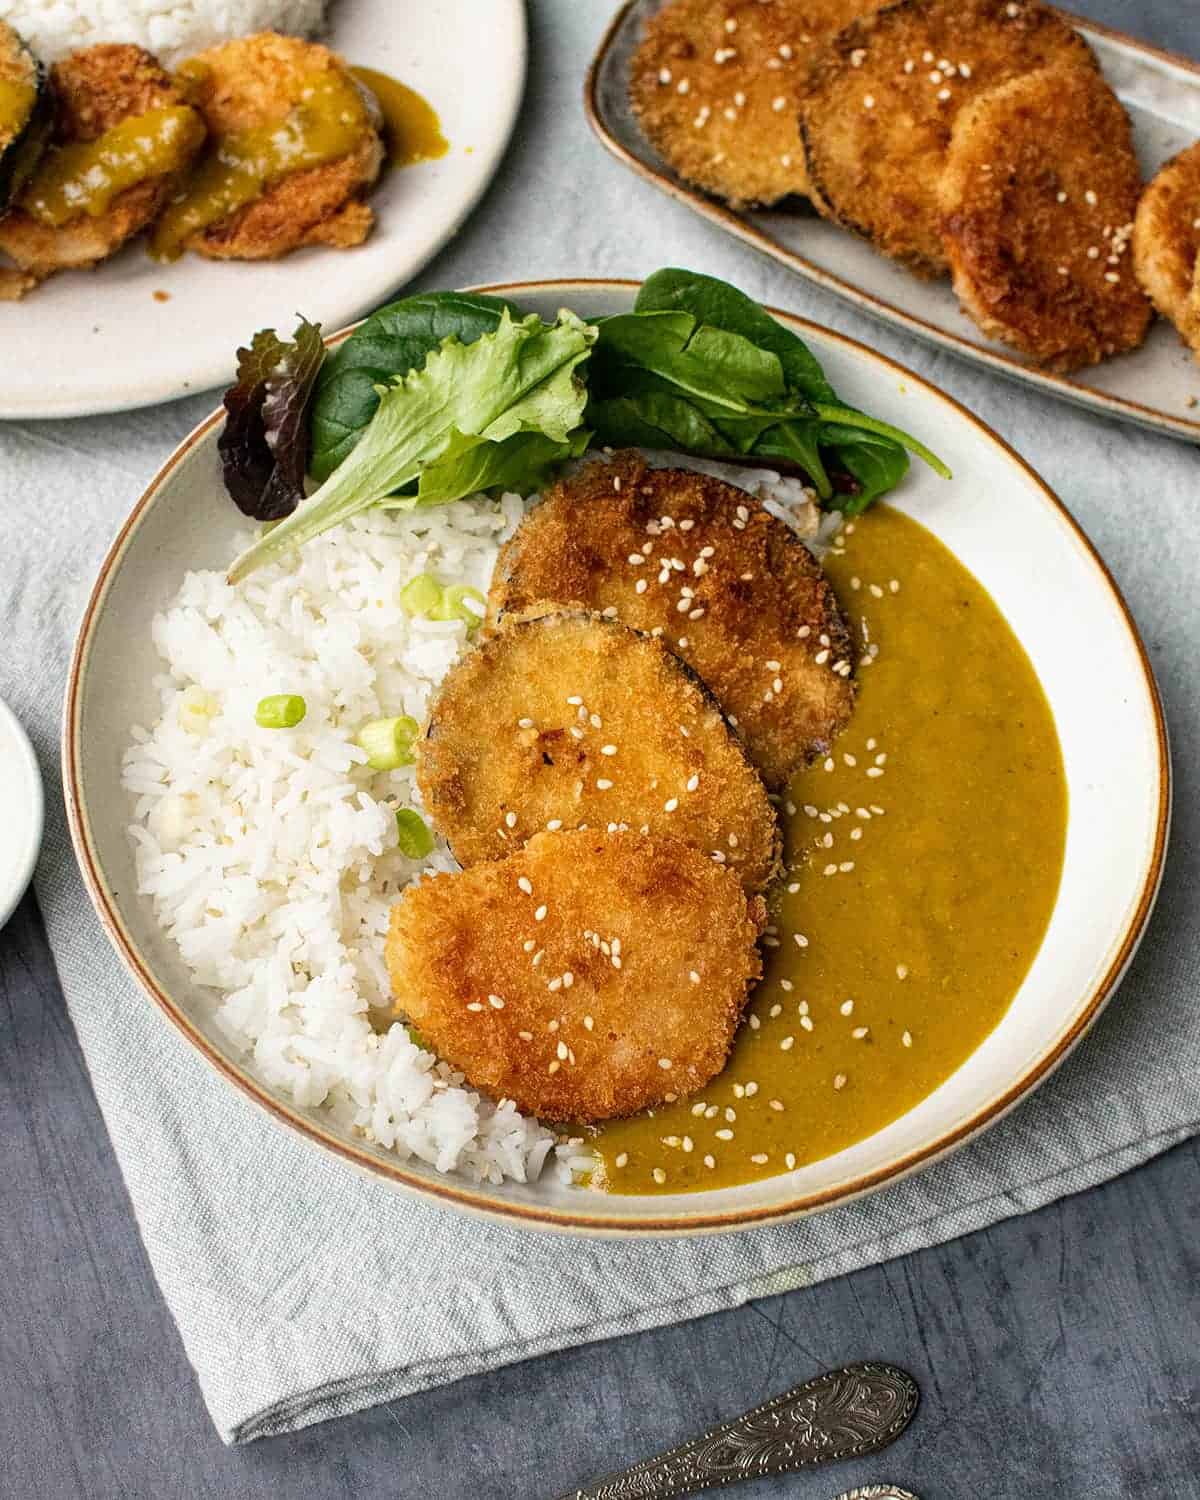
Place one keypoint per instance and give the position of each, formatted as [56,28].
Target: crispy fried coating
[716,88]
[573,720]
[883,98]
[729,588]
[93,90]
[1038,198]
[586,976]
[254,82]
[1166,243]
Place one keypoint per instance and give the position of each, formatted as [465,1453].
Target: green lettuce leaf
[522,378]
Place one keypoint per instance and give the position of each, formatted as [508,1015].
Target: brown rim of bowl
[741,228]
[449,1191]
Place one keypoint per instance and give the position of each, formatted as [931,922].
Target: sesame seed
[608,749]
[909,65]
[760,1158]
[901,971]
[603,784]
[495,1002]
[723,1135]
[554,824]
[665,1064]
[730,23]
[552,1025]
[540,914]
[561,1051]
[785,52]
[554,1067]
[839,1080]
[687,1143]
[846,1007]
[1090,198]
[682,86]
[874,771]
[755,1023]
[778,103]
[846,866]
[857,57]
[1111,276]
[740,100]
[693,976]
[868,101]
[806,1023]
[538,956]
[659,1176]
[786,986]
[664,75]
[475,1005]
[800,940]
[1061,197]
[670,804]
[524,885]
[693,782]
[943,94]
[935,76]
[710,1162]
[860,1032]
[787,1044]
[965,69]
[595,720]
[789,1161]
[829,870]
[526,1036]
[555,984]
[906,1038]
[510,820]
[776,1105]
[622,1159]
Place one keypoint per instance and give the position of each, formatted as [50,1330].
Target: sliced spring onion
[388,742]
[280,711]
[460,602]
[412,834]
[421,595]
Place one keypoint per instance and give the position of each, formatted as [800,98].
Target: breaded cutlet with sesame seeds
[715,87]
[1166,243]
[729,587]
[1038,197]
[586,976]
[882,99]
[566,721]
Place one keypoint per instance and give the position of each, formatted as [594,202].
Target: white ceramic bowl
[997,516]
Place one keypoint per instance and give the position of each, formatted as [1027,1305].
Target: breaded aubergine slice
[93,91]
[716,88]
[586,976]
[255,82]
[569,721]
[1166,243]
[882,101]
[1038,198]
[729,588]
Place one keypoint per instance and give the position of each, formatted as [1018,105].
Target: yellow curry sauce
[923,859]
[326,123]
[84,177]
[412,131]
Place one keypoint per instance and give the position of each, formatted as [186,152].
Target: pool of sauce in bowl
[412,131]
[922,863]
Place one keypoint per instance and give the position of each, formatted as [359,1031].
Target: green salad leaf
[700,367]
[520,379]
[392,341]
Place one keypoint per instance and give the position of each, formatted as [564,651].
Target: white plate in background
[98,341]
[21,811]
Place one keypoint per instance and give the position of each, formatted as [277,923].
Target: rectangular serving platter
[1156,386]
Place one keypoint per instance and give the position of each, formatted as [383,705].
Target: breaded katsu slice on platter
[882,100]
[296,142]
[727,586]
[1038,200]
[570,720]
[586,976]
[716,88]
[1166,243]
[124,135]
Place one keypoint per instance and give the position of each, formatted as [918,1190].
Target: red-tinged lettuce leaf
[264,444]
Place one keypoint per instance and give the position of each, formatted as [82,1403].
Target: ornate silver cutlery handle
[845,1413]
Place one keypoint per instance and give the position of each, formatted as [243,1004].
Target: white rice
[171,29]
[270,856]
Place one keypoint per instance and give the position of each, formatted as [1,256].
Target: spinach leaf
[391,342]
[723,306]
[724,368]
